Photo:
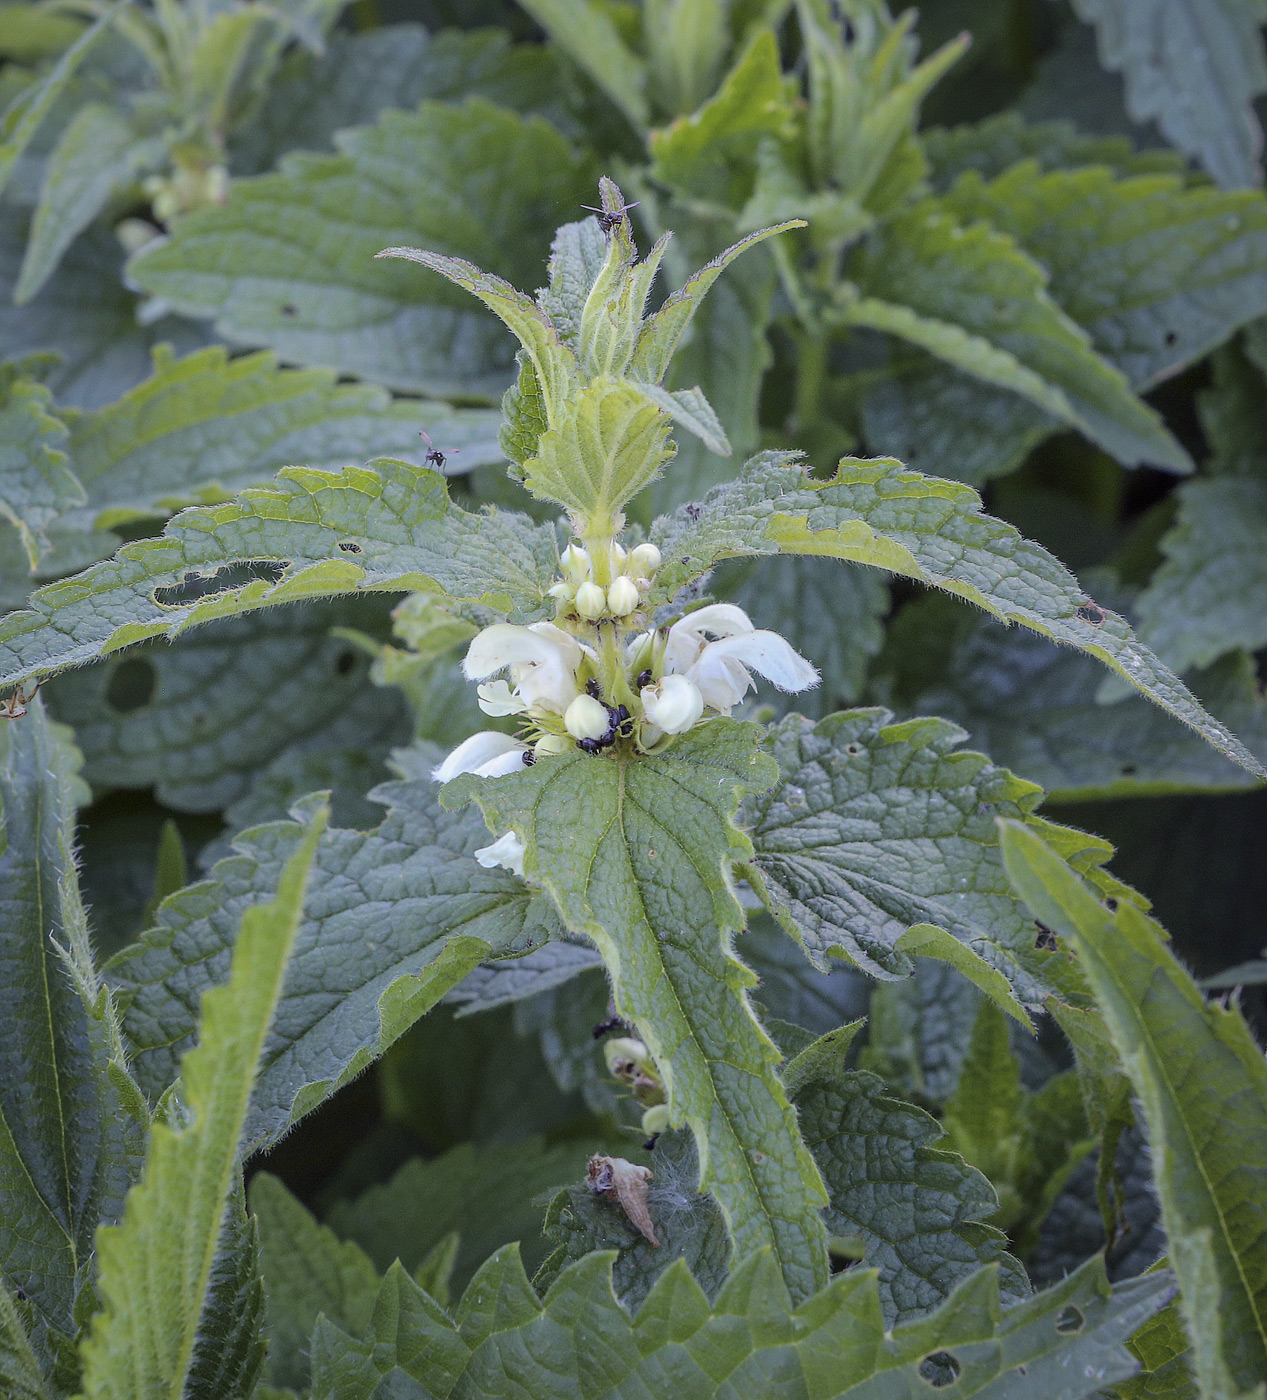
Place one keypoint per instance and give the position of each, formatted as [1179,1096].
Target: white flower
[721,673]
[623,597]
[487,753]
[591,601]
[686,637]
[507,851]
[496,698]
[673,705]
[542,661]
[586,718]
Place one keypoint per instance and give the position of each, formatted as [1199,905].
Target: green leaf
[1032,706]
[487,1194]
[158,1264]
[22,118]
[1157,273]
[69,1137]
[21,1370]
[879,831]
[1202,1083]
[1162,1348]
[325,301]
[917,1209]
[388,527]
[710,155]
[588,34]
[307,1272]
[96,157]
[205,426]
[974,298]
[510,1343]
[658,832]
[1207,597]
[513,979]
[876,512]
[688,1225]
[227,708]
[1194,68]
[394,918]
[36,482]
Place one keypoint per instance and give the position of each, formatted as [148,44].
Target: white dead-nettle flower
[673,704]
[542,660]
[507,851]
[720,669]
[488,753]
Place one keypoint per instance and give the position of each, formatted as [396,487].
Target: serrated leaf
[1156,272]
[880,828]
[1032,706]
[1202,1083]
[687,1224]
[365,966]
[307,1272]
[328,303]
[68,1141]
[98,155]
[510,1343]
[206,425]
[21,1370]
[512,979]
[659,830]
[488,1194]
[229,1348]
[22,118]
[1194,68]
[158,1263]
[973,297]
[932,530]
[36,481]
[919,1210]
[204,720]
[389,527]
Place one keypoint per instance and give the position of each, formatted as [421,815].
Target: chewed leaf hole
[131,686]
[939,1369]
[197,586]
[349,547]
[1070,1321]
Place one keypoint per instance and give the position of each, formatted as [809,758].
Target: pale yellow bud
[623,597]
[586,718]
[591,601]
[645,560]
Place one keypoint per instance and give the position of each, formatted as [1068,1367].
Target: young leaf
[434,914]
[879,830]
[1195,69]
[389,526]
[645,874]
[1202,1083]
[158,1263]
[508,1342]
[325,300]
[918,1210]
[878,513]
[971,296]
[69,1132]
[1157,273]
[36,482]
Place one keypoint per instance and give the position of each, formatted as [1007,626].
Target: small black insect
[624,722]
[592,690]
[590,745]
[435,457]
[693,512]
[607,220]
[649,1145]
[529,758]
[644,678]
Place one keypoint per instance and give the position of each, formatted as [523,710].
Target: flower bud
[575,563]
[586,718]
[591,601]
[673,704]
[551,743]
[625,1050]
[563,589]
[622,597]
[656,1119]
[644,560]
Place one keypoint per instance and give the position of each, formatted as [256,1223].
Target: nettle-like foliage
[610,834]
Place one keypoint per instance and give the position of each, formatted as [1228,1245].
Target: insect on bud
[673,704]
[586,718]
[645,559]
[622,597]
[591,601]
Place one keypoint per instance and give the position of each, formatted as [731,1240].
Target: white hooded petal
[495,698]
[471,754]
[542,660]
[686,636]
[769,655]
[672,705]
[506,851]
[511,762]
[721,680]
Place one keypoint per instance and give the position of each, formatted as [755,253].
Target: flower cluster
[598,676]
